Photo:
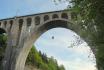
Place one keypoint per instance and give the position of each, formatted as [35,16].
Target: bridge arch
[20,63]
[21,59]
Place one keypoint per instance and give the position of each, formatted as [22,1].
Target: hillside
[41,61]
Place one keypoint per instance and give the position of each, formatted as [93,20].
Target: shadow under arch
[2,31]
[20,62]
[53,24]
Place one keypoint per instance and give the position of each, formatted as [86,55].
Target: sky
[11,8]
[72,58]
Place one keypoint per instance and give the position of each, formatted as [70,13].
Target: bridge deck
[33,14]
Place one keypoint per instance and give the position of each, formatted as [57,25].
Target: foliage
[88,14]
[91,13]
[61,67]
[41,61]
[3,44]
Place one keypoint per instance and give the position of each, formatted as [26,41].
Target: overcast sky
[73,58]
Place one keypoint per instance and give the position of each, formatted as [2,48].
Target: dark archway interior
[54,24]
[2,31]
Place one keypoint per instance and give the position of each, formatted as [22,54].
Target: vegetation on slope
[41,61]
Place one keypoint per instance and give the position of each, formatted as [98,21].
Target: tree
[41,61]
[34,58]
[91,13]
[88,14]
[61,67]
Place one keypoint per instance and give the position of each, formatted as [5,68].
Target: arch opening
[2,31]
[46,17]
[20,24]
[37,20]
[64,15]
[55,16]
[62,40]
[29,20]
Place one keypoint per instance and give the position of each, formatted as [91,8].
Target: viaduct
[23,31]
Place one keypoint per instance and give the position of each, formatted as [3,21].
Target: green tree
[41,61]
[91,13]
[88,14]
[52,63]
[34,58]
[61,67]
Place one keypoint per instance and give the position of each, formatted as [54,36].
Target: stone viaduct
[23,31]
